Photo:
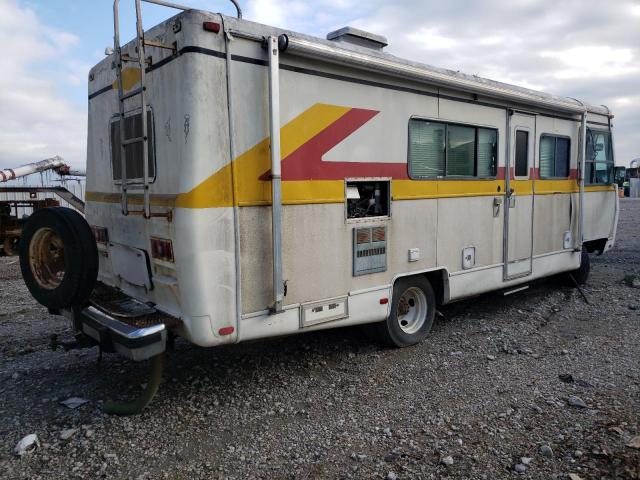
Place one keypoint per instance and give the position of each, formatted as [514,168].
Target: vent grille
[363,235]
[369,250]
[379,234]
[134,151]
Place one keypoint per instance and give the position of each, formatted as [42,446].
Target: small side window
[522,154]
[554,156]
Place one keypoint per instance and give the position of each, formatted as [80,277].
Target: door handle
[497,201]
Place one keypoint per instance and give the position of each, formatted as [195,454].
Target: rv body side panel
[601,212]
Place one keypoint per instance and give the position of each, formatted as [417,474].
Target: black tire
[390,331]
[582,274]
[58,257]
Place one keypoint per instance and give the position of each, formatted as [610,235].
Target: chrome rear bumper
[114,335]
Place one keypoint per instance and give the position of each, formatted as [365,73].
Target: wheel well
[595,245]
[440,282]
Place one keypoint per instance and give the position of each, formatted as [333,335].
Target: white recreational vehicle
[246,182]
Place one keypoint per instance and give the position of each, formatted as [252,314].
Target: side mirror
[619,175]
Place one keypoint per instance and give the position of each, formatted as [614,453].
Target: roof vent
[358,37]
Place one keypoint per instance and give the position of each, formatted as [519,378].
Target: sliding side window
[554,156]
[460,151]
[487,157]
[132,129]
[599,159]
[426,149]
[451,150]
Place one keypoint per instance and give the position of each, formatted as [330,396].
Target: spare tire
[58,257]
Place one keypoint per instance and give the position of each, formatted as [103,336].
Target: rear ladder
[142,61]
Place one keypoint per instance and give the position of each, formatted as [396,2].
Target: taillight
[226,331]
[100,234]
[161,249]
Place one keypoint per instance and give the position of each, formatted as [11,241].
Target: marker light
[226,330]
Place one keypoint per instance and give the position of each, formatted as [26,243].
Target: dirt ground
[486,396]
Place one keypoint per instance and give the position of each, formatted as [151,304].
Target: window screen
[132,129]
[438,149]
[554,156]
[426,149]
[522,153]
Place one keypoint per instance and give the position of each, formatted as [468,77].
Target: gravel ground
[488,395]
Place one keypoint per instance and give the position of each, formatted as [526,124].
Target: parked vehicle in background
[624,177]
[245,182]
[632,177]
[17,202]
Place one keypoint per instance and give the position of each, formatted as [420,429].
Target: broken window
[368,198]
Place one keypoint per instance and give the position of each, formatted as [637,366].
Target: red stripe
[306,163]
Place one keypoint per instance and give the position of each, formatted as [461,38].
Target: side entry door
[519,193]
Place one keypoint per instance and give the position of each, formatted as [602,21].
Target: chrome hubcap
[411,311]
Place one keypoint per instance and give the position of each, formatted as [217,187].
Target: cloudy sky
[588,49]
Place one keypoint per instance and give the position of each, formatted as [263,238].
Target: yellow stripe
[547,187]
[332,191]
[216,191]
[599,188]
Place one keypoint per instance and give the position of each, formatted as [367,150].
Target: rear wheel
[412,313]
[58,257]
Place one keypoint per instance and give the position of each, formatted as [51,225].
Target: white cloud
[36,121]
[431,39]
[592,61]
